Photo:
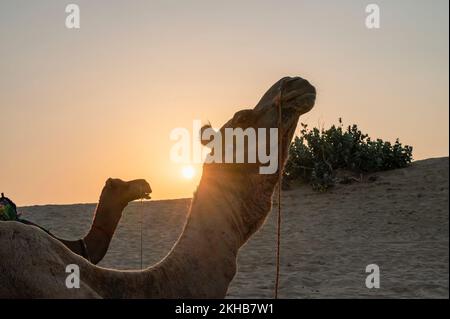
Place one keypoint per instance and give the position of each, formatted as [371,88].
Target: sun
[188,172]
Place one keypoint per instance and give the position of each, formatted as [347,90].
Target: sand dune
[399,222]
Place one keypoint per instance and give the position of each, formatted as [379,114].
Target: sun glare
[188,172]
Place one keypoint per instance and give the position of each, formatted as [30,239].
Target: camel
[231,202]
[115,196]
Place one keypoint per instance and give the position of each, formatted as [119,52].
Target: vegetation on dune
[316,155]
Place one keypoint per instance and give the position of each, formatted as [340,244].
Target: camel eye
[241,118]
[210,133]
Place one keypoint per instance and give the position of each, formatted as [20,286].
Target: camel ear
[207,134]
[111,183]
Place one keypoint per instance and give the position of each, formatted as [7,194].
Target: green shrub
[315,155]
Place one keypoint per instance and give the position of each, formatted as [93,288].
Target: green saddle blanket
[8,210]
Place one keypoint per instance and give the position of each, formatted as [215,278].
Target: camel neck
[224,213]
[103,227]
[203,261]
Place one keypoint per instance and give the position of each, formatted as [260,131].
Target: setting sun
[188,172]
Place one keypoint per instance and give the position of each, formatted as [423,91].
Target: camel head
[297,97]
[255,180]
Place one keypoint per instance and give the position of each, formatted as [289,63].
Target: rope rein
[280,177]
[140,225]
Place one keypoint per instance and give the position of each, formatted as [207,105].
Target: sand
[399,222]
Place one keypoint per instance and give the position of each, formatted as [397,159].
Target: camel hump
[22,242]
[19,242]
[26,251]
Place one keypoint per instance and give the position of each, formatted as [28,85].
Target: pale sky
[79,106]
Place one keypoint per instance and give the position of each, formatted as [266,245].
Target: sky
[80,105]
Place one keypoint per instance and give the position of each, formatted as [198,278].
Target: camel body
[228,207]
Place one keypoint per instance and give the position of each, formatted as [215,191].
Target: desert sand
[397,219]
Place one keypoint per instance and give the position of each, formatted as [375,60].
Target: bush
[315,155]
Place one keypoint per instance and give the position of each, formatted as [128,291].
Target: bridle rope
[140,224]
[280,177]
